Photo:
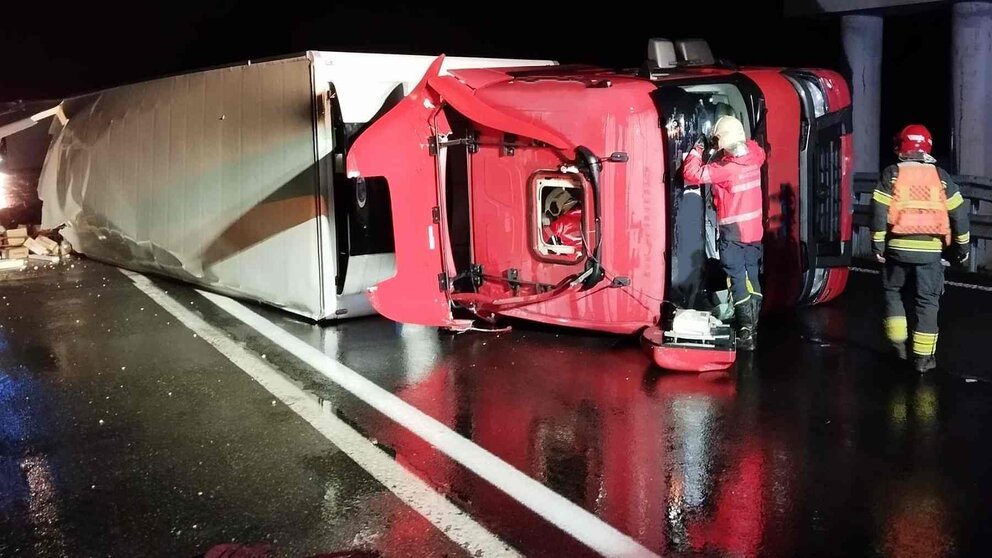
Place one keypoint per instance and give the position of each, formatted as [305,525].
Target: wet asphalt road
[123,434]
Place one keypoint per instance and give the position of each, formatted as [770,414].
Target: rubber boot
[745,324]
[924,364]
[756,307]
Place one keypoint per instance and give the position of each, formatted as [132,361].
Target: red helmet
[913,139]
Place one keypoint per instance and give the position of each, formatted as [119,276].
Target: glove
[962,254]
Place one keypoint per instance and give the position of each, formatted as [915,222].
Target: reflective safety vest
[566,229]
[919,202]
[739,202]
[737,190]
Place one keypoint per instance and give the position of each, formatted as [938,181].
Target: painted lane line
[413,491]
[553,507]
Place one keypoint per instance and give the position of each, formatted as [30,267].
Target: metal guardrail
[977,190]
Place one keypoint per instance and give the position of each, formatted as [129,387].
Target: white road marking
[448,518]
[553,507]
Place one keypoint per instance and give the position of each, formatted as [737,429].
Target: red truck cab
[482,164]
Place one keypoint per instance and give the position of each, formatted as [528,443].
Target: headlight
[819,101]
[819,281]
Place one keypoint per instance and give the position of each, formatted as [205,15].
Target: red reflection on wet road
[656,456]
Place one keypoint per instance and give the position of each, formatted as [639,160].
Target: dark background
[50,49]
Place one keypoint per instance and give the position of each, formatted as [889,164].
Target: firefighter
[917,213]
[735,174]
[566,229]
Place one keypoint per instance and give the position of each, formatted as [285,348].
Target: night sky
[49,51]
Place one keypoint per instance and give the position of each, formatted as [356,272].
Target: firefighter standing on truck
[736,178]
[917,212]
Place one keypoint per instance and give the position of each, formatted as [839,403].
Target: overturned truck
[483,166]
[233,178]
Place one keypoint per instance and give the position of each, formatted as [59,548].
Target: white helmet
[729,133]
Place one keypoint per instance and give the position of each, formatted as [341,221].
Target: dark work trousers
[741,261]
[921,286]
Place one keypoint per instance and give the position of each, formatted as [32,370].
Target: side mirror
[619,157]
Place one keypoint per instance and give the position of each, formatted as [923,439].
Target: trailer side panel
[207,177]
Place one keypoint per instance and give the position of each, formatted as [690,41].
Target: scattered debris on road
[20,245]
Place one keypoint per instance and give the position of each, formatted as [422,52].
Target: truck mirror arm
[591,167]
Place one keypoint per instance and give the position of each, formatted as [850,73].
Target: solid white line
[556,509]
[448,518]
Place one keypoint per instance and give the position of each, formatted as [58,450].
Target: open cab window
[557,211]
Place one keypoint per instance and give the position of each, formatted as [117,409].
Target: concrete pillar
[971,79]
[862,35]
[971,66]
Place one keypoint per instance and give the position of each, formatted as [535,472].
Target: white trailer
[232,178]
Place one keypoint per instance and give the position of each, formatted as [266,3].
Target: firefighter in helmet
[735,174]
[917,213]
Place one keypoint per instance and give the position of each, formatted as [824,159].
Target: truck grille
[827,188]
